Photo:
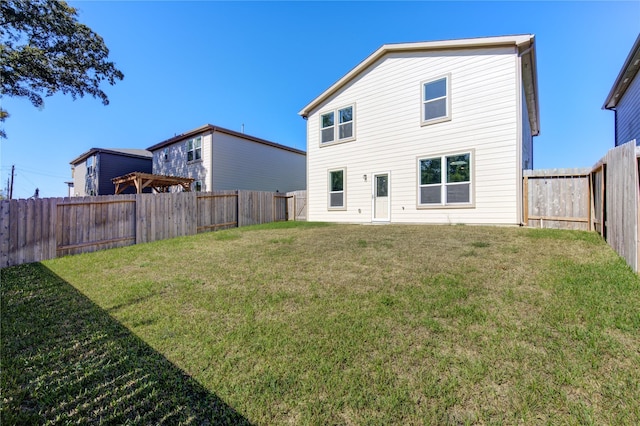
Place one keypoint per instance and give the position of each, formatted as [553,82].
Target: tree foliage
[45,50]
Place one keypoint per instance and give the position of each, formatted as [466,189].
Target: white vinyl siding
[484,113]
[628,114]
[243,164]
[79,179]
[231,162]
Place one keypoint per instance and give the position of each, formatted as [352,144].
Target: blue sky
[191,63]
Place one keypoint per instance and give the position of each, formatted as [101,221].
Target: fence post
[526,201]
[238,208]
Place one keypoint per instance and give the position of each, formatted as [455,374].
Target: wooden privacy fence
[38,229]
[556,198]
[615,201]
[298,204]
[605,199]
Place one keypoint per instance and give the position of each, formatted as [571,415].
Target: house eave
[210,128]
[530,85]
[521,42]
[625,77]
[113,151]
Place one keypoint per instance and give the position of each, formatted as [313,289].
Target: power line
[31,171]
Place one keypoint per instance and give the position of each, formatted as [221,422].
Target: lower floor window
[197,186]
[336,189]
[445,180]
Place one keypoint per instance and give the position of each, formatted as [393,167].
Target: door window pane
[382,186]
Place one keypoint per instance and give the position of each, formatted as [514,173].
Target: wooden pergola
[160,183]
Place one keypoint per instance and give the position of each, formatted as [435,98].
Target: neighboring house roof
[626,76]
[212,128]
[126,152]
[524,43]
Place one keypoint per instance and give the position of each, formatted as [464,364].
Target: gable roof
[212,128]
[125,152]
[524,43]
[626,76]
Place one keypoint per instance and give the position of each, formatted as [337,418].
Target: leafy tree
[44,50]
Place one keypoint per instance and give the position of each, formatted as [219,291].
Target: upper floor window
[337,125]
[90,165]
[445,180]
[194,149]
[436,100]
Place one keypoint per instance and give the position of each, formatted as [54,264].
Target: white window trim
[194,160]
[443,184]
[344,189]
[447,116]
[336,125]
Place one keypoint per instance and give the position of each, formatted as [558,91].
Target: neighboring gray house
[92,171]
[624,99]
[219,159]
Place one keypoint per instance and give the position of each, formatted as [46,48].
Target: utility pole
[13,169]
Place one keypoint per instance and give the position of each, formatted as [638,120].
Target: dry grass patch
[348,324]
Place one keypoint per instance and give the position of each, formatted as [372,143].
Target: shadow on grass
[65,360]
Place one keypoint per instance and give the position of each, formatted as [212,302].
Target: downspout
[615,126]
[96,174]
[519,183]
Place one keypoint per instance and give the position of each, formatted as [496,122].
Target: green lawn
[305,323]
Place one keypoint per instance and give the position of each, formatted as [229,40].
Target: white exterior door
[381,204]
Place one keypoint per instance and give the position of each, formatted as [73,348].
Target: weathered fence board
[94,223]
[620,211]
[38,229]
[218,210]
[557,198]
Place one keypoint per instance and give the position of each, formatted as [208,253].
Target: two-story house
[220,159]
[428,132]
[93,170]
[624,99]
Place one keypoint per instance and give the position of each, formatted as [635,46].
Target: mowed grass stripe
[309,323]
